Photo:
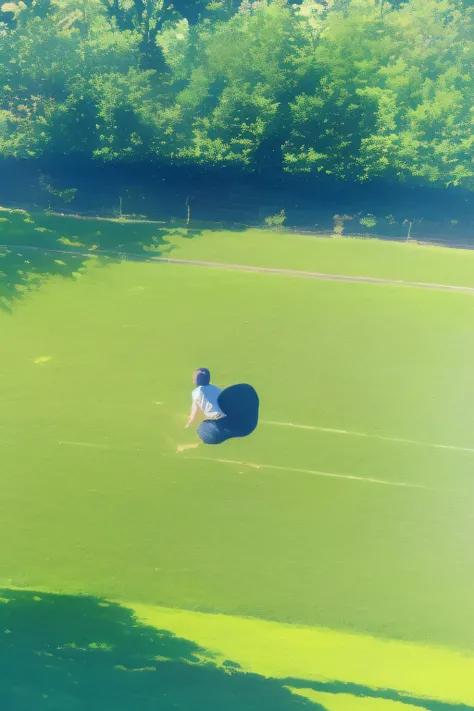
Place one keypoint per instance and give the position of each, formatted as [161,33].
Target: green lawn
[95,375]
[345,256]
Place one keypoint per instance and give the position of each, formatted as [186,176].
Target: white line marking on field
[86,444]
[313,472]
[370,436]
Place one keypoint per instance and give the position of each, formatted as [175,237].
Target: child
[229,413]
[204,397]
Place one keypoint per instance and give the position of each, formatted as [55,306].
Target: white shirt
[205,397]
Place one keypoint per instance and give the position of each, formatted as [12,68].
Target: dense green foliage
[357,89]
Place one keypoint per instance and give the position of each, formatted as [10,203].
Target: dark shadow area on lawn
[114,237]
[80,653]
[40,246]
[84,654]
[22,270]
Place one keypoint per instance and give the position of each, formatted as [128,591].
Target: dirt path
[295,273]
[316,275]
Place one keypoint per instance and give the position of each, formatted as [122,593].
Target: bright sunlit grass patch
[322,655]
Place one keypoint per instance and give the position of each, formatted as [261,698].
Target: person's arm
[194,408]
[193,414]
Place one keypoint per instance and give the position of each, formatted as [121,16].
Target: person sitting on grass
[204,397]
[229,413]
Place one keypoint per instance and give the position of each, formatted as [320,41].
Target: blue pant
[240,405]
[215,431]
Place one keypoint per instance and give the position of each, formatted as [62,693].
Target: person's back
[206,398]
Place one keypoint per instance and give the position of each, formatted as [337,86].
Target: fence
[236,215]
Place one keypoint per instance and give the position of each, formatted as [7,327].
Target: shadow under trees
[84,653]
[34,247]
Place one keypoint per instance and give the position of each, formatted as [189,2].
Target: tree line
[354,89]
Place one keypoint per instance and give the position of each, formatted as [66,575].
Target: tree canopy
[357,89]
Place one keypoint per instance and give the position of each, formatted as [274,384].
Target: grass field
[364,537]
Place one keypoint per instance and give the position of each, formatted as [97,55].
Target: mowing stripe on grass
[313,472]
[370,436]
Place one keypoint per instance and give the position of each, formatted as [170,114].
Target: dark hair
[203,376]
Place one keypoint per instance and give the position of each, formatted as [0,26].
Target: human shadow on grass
[84,654]
[35,248]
